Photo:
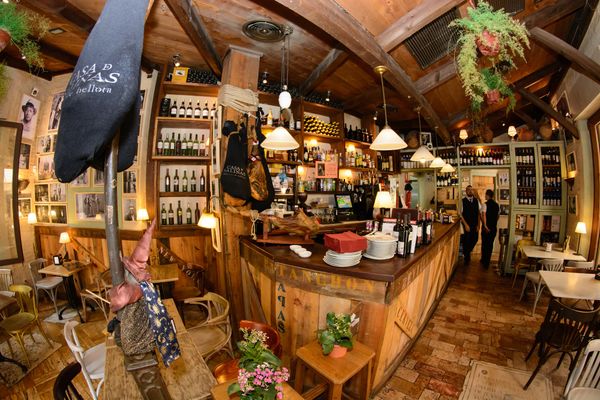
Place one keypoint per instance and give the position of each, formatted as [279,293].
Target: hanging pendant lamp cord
[383,94]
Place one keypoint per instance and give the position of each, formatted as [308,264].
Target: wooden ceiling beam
[191,22]
[545,107]
[413,21]
[581,62]
[533,124]
[436,77]
[342,26]
[332,61]
[57,54]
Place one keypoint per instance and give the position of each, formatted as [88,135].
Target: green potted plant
[499,38]
[23,29]
[260,375]
[336,338]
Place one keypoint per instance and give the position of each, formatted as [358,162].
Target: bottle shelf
[186,121]
[483,166]
[183,194]
[357,142]
[269,128]
[361,169]
[192,89]
[273,161]
[318,135]
[179,159]
[180,227]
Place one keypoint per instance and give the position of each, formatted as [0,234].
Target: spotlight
[265,78]
[177,60]
[375,116]
[328,96]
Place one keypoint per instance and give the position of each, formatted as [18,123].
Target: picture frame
[28,115]
[129,210]
[504,194]
[90,206]
[57,192]
[503,179]
[216,133]
[215,159]
[98,177]
[130,181]
[24,156]
[215,190]
[425,140]
[55,111]
[44,144]
[42,213]
[326,169]
[571,165]
[54,140]
[82,180]
[572,204]
[41,193]
[504,209]
[46,167]
[58,214]
[24,205]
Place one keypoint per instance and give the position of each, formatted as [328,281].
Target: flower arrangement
[260,375]
[337,333]
[499,38]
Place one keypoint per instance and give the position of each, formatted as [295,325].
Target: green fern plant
[25,29]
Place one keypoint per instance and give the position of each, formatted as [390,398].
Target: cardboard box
[347,242]
[180,75]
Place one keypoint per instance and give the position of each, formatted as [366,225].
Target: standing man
[489,219]
[470,221]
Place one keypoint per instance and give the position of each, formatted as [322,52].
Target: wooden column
[241,69]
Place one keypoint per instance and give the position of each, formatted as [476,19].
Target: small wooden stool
[336,371]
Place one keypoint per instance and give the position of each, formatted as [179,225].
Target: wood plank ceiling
[327,52]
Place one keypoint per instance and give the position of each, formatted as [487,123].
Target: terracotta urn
[338,351]
[546,131]
[412,139]
[492,97]
[487,134]
[4,39]
[525,134]
[488,44]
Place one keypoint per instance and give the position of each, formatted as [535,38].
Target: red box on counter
[346,242]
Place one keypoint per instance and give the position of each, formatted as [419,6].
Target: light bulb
[463,135]
[285,99]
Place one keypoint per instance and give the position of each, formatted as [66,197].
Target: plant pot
[412,139]
[546,131]
[492,97]
[488,44]
[525,135]
[338,351]
[4,39]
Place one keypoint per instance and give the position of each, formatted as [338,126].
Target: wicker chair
[536,280]
[521,261]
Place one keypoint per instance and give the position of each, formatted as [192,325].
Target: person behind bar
[489,221]
[470,221]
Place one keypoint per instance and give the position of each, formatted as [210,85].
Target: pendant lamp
[463,135]
[512,132]
[422,154]
[447,168]
[285,98]
[437,163]
[387,139]
[279,139]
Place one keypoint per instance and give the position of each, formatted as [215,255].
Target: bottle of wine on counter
[205,111]
[397,227]
[202,182]
[167,181]
[179,213]
[184,182]
[188,214]
[196,214]
[163,215]
[176,181]
[171,215]
[406,238]
[189,111]
[197,110]
[173,112]
[193,181]
[181,113]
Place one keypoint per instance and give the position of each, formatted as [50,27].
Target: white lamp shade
[208,220]
[463,135]
[447,168]
[512,131]
[437,163]
[285,99]
[64,238]
[279,139]
[142,215]
[422,154]
[581,228]
[31,218]
[387,140]
[383,200]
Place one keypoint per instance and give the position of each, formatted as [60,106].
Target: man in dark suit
[470,221]
[489,219]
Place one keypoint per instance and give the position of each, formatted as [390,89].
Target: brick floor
[479,318]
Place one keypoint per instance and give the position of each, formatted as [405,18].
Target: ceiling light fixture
[447,169]
[265,78]
[422,154]
[279,139]
[177,60]
[463,135]
[285,98]
[387,139]
[328,97]
[512,132]
[56,31]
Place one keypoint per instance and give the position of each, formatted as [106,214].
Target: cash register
[344,207]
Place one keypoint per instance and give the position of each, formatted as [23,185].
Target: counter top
[383,271]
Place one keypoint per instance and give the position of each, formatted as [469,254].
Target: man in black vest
[470,221]
[489,218]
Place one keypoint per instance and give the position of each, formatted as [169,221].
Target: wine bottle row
[526,178]
[359,159]
[526,196]
[316,126]
[291,123]
[525,156]
[552,197]
[288,155]
[199,76]
[360,135]
[184,184]
[448,156]
[169,108]
[318,185]
[177,217]
[166,146]
[550,155]
[414,234]
[385,163]
[479,156]
[315,153]
[446,179]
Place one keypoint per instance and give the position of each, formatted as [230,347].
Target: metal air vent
[510,6]
[435,40]
[265,31]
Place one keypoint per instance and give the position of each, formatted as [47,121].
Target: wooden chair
[92,360]
[587,265]
[564,331]
[6,279]
[213,334]
[48,284]
[103,286]
[521,261]
[180,294]
[537,281]
[63,385]
[584,382]
[25,320]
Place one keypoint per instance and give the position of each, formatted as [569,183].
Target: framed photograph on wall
[24,156]
[46,167]
[82,180]
[89,206]
[130,181]
[571,165]
[28,115]
[425,138]
[55,111]
[129,209]
[503,179]
[24,207]
[41,193]
[504,194]
[504,209]
[58,214]
[44,144]
[98,177]
[42,213]
[58,192]
[572,204]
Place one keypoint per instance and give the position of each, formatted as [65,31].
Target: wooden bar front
[394,299]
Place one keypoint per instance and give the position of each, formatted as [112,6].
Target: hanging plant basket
[488,44]
[4,39]
[492,97]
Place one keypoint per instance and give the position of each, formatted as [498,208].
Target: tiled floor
[479,318]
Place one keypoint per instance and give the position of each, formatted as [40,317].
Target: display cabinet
[525,175]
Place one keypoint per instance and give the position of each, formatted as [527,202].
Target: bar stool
[336,371]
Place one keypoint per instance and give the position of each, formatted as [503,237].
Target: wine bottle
[184,182]
[184,148]
[202,147]
[188,214]
[167,181]
[205,112]
[189,111]
[179,213]
[190,146]
[171,215]
[176,181]
[196,214]
[159,146]
[202,182]
[197,110]
[213,111]
[172,145]
[173,112]
[181,110]
[163,215]
[195,147]
[178,145]
[193,181]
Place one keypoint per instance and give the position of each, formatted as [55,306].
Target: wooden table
[219,392]
[163,276]
[71,282]
[188,377]
[572,285]
[540,252]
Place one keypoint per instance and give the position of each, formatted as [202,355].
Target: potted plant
[23,29]
[260,375]
[336,338]
[498,37]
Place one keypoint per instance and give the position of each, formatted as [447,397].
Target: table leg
[367,378]
[72,301]
[335,392]
[299,380]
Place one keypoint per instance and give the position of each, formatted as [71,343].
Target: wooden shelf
[184,120]
[357,142]
[551,165]
[183,227]
[292,132]
[183,194]
[361,169]
[273,161]
[325,137]
[182,159]
[191,89]
[483,166]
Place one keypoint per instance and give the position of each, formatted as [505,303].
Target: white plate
[333,264]
[344,259]
[378,258]
[332,253]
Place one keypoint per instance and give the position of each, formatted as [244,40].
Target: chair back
[273,339]
[520,244]
[34,267]
[6,279]
[73,341]
[552,265]
[566,328]
[196,274]
[217,307]
[63,385]
[587,371]
[26,299]
[589,265]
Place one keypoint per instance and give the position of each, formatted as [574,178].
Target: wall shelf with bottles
[191,89]
[183,194]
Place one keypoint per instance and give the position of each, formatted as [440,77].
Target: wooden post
[111,220]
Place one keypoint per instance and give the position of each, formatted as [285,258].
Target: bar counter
[394,298]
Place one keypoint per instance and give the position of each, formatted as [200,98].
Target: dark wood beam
[436,77]
[581,62]
[365,97]
[342,26]
[191,22]
[413,21]
[526,118]
[332,61]
[57,54]
[542,105]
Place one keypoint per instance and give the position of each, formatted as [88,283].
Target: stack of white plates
[342,259]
